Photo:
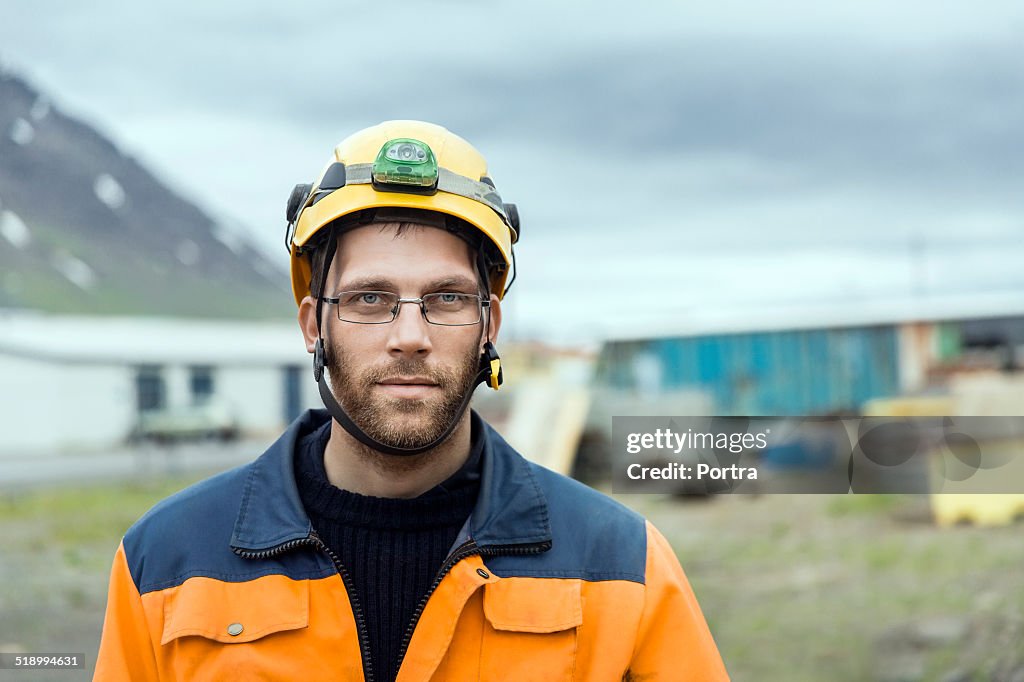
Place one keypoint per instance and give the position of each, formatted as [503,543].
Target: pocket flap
[533,604]
[235,612]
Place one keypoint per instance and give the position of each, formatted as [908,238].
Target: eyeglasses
[448,309]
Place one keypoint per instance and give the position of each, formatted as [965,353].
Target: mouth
[408,387]
[408,381]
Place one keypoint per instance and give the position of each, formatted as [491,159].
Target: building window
[201,383]
[150,393]
[292,393]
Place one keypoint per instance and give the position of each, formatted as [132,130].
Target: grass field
[814,587]
[794,587]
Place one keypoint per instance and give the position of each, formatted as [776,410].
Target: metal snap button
[235,629]
[482,573]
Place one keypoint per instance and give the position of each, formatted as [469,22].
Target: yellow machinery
[951,509]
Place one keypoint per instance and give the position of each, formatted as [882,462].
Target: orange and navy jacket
[549,580]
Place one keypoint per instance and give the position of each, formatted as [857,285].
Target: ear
[307,322]
[494,322]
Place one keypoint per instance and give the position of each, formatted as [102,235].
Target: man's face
[402,382]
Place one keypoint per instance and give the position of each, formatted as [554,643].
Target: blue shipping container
[783,373]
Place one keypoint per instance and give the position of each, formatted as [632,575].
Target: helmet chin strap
[488,362]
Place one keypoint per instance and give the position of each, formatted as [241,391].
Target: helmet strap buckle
[318,359]
[491,365]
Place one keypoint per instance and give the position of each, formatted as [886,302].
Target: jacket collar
[510,510]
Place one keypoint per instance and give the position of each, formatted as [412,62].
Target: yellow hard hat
[406,165]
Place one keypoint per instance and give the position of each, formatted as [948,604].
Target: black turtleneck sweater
[391,548]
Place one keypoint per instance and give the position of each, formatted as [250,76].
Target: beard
[401,422]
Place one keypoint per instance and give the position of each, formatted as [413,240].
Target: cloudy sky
[666,156]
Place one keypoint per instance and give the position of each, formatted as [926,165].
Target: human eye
[364,299]
[450,299]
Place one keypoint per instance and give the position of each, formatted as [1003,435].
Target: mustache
[405,367]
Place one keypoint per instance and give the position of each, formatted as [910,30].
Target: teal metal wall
[793,372]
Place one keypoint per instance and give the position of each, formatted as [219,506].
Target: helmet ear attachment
[513,218]
[297,199]
[491,365]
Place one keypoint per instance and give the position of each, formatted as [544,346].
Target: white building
[81,383]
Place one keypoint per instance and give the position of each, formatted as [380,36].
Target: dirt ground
[794,587]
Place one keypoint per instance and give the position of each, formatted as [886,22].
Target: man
[395,535]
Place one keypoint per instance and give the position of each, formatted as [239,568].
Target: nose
[410,332]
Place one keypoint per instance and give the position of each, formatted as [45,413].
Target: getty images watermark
[707,455]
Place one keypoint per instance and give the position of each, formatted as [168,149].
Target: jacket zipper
[463,551]
[313,540]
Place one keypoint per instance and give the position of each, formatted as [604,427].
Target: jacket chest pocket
[531,629]
[215,630]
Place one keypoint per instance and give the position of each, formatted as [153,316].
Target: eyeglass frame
[482,305]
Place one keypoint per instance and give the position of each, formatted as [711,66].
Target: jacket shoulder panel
[593,537]
[189,534]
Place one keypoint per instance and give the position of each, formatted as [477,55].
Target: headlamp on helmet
[405,165]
